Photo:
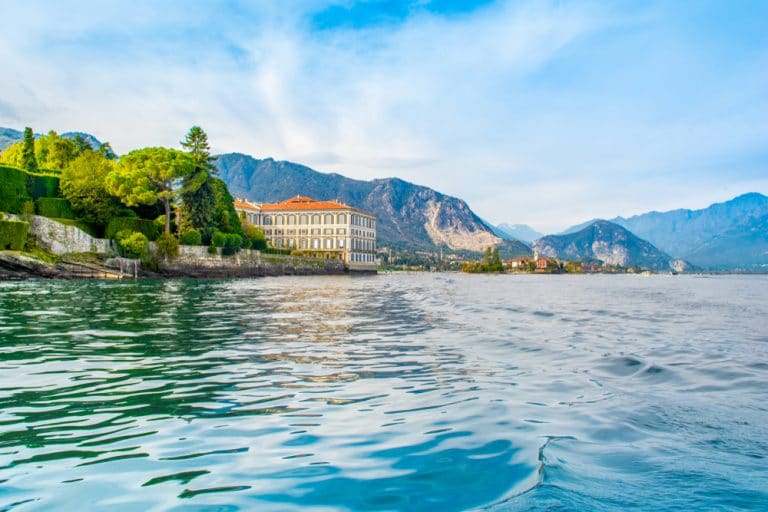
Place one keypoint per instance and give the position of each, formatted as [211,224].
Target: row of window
[314,243]
[362,245]
[361,233]
[313,231]
[362,258]
[365,222]
[341,218]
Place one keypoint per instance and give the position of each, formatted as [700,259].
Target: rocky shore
[16,266]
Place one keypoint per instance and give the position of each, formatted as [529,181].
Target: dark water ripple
[394,392]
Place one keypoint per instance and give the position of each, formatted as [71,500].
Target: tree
[12,155]
[150,175]
[196,144]
[81,144]
[225,217]
[106,151]
[199,195]
[83,184]
[28,160]
[55,152]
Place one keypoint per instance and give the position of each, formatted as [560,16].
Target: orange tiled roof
[303,203]
[245,205]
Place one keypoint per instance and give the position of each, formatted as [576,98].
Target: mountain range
[409,215]
[9,137]
[731,235]
[609,243]
[521,232]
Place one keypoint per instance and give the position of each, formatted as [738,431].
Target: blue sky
[545,113]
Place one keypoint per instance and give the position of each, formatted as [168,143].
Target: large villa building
[323,228]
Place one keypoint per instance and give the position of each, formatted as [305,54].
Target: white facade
[322,228]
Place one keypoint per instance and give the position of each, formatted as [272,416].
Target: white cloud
[543,113]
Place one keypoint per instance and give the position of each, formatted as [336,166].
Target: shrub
[117,224]
[167,246]
[54,208]
[218,239]
[212,249]
[13,235]
[132,245]
[13,189]
[253,237]
[191,236]
[232,244]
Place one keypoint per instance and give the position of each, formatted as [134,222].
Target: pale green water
[389,392]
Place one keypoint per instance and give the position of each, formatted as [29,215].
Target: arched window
[315,219]
[303,219]
[328,218]
[315,243]
[291,219]
[279,220]
[341,219]
[268,220]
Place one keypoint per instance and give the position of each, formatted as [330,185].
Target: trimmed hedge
[13,189]
[13,235]
[147,227]
[44,186]
[54,208]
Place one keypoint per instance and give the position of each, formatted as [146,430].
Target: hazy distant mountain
[728,235]
[96,143]
[701,236]
[608,243]
[9,136]
[408,215]
[521,232]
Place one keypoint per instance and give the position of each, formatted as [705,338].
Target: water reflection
[382,393]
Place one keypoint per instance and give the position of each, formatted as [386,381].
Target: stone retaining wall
[60,238]
[195,261]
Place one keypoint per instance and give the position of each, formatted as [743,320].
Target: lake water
[390,392]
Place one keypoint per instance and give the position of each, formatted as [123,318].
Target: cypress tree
[28,160]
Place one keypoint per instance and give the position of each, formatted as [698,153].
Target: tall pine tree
[198,195]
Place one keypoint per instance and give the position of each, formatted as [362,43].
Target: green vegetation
[491,263]
[13,189]
[147,176]
[167,246]
[253,236]
[83,183]
[191,236]
[54,207]
[198,195]
[28,160]
[133,224]
[132,245]
[132,199]
[13,235]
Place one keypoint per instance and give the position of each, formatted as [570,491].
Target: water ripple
[393,392]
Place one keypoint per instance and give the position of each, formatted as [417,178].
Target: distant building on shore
[327,229]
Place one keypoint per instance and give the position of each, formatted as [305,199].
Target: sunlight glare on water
[390,392]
